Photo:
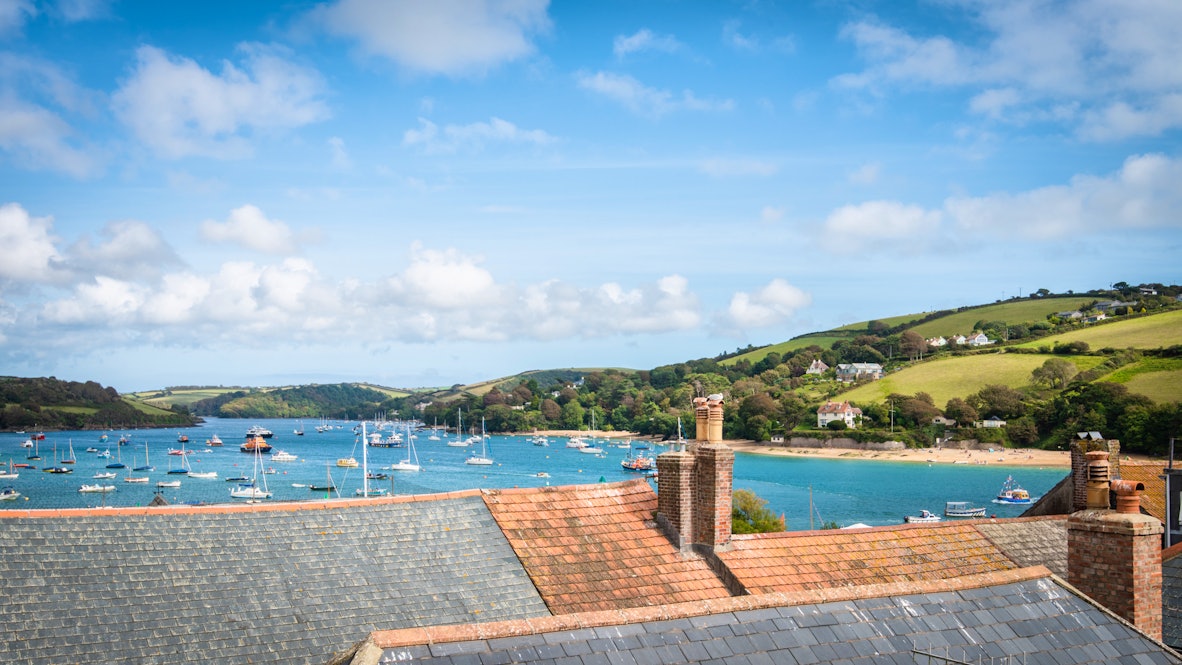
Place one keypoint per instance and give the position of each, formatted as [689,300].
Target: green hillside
[1012,312]
[1159,379]
[960,376]
[1146,332]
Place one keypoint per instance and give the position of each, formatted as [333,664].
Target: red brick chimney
[1114,556]
[694,487]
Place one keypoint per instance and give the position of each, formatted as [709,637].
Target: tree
[1000,401]
[961,411]
[1055,372]
[750,514]
[836,425]
[913,344]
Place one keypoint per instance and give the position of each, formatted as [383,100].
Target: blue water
[843,491]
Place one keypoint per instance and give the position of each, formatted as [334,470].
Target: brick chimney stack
[694,487]
[1114,556]
[1084,443]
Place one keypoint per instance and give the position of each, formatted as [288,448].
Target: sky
[421,194]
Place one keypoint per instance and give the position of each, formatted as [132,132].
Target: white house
[978,339]
[957,340]
[817,367]
[937,341]
[990,423]
[850,372]
[838,411]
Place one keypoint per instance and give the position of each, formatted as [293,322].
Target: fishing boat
[482,459]
[923,516]
[1013,493]
[963,509]
[96,489]
[214,441]
[9,494]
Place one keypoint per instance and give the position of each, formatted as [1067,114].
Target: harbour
[810,493]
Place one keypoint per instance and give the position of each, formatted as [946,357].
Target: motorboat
[1013,493]
[923,516]
[963,509]
[283,456]
[96,489]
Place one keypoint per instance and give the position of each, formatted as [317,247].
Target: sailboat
[71,459]
[300,431]
[482,459]
[55,468]
[184,468]
[458,442]
[411,463]
[36,454]
[10,474]
[365,489]
[329,486]
[251,490]
[147,463]
[434,431]
[118,463]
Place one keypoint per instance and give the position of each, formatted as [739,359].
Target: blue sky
[428,193]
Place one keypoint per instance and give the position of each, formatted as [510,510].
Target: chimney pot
[1128,496]
[1098,474]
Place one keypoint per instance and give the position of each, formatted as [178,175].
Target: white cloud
[1117,59]
[641,99]
[249,227]
[444,280]
[644,40]
[128,248]
[14,13]
[441,37]
[867,174]
[339,157]
[851,227]
[38,138]
[474,135]
[774,304]
[179,108]
[105,299]
[28,251]
[83,10]
[771,214]
[1143,194]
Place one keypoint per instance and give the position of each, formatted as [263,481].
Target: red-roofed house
[838,411]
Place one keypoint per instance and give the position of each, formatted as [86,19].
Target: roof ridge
[389,639]
[222,508]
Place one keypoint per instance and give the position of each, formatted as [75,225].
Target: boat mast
[364,463]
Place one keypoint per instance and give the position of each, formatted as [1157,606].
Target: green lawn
[946,378]
[1159,379]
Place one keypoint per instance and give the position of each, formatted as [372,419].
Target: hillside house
[850,372]
[1073,314]
[958,340]
[992,422]
[1095,318]
[1109,305]
[946,422]
[936,342]
[817,367]
[832,411]
[484,576]
[978,339]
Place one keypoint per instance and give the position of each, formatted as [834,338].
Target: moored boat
[963,509]
[9,494]
[283,456]
[214,441]
[255,444]
[923,516]
[259,431]
[96,489]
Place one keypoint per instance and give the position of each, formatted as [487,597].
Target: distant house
[1074,314]
[838,411]
[978,339]
[937,341]
[850,372]
[1099,316]
[957,339]
[777,438]
[1147,291]
[817,367]
[992,422]
[1109,305]
[941,420]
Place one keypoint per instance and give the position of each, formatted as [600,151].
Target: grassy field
[860,327]
[823,341]
[1159,379]
[958,377]
[1018,311]
[165,399]
[145,407]
[1147,332]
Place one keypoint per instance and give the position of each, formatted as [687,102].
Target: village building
[851,372]
[817,367]
[831,411]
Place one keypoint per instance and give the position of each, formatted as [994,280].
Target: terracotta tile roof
[596,547]
[1153,499]
[796,561]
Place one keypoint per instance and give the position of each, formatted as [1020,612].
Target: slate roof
[1171,596]
[290,583]
[596,547]
[1027,614]
[797,561]
[1030,541]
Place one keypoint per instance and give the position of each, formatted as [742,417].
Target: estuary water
[841,491]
